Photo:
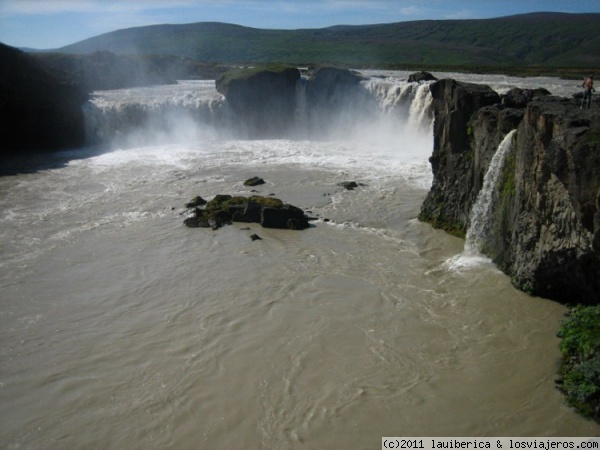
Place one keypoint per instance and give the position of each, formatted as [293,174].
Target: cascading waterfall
[420,110]
[479,217]
[394,96]
[194,109]
[169,113]
[301,100]
[407,107]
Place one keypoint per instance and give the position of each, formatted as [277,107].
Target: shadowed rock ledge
[546,215]
[277,101]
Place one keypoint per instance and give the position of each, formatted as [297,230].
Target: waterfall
[384,110]
[479,218]
[301,113]
[147,115]
[409,104]
[420,109]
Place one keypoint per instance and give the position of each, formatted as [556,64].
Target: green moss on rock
[437,219]
[270,212]
[507,178]
[225,79]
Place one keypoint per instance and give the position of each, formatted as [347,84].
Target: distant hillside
[538,39]
[40,110]
[105,70]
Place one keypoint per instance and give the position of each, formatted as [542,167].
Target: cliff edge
[278,101]
[40,111]
[545,216]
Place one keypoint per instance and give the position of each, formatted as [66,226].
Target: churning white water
[122,328]
[479,226]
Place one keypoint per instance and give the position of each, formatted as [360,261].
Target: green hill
[538,39]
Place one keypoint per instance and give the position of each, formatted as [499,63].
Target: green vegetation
[270,212]
[502,218]
[530,44]
[224,209]
[105,70]
[593,137]
[227,202]
[508,177]
[242,73]
[438,220]
[580,371]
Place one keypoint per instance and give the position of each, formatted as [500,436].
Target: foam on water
[395,141]
[466,262]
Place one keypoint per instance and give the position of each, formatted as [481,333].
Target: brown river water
[122,328]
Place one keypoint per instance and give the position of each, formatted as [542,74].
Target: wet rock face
[273,102]
[419,77]
[265,101]
[557,177]
[546,216]
[455,184]
[270,212]
[518,98]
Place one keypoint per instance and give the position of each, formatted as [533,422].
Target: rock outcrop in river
[277,101]
[545,220]
[270,212]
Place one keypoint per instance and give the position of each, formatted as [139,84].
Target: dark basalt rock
[518,98]
[40,111]
[325,82]
[287,216]
[455,180]
[350,185]
[545,219]
[268,211]
[249,213]
[421,77]
[264,99]
[254,181]
[196,201]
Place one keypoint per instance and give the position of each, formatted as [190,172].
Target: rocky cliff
[41,95]
[40,111]
[545,220]
[264,99]
[278,102]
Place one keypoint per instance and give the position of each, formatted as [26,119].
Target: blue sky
[44,24]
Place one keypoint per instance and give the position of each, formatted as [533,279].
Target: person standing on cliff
[588,88]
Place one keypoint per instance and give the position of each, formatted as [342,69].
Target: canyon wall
[545,220]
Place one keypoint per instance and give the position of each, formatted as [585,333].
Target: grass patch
[508,177]
[580,370]
[593,137]
[244,73]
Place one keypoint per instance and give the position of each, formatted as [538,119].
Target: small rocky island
[269,212]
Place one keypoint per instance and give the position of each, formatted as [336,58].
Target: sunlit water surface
[122,328]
